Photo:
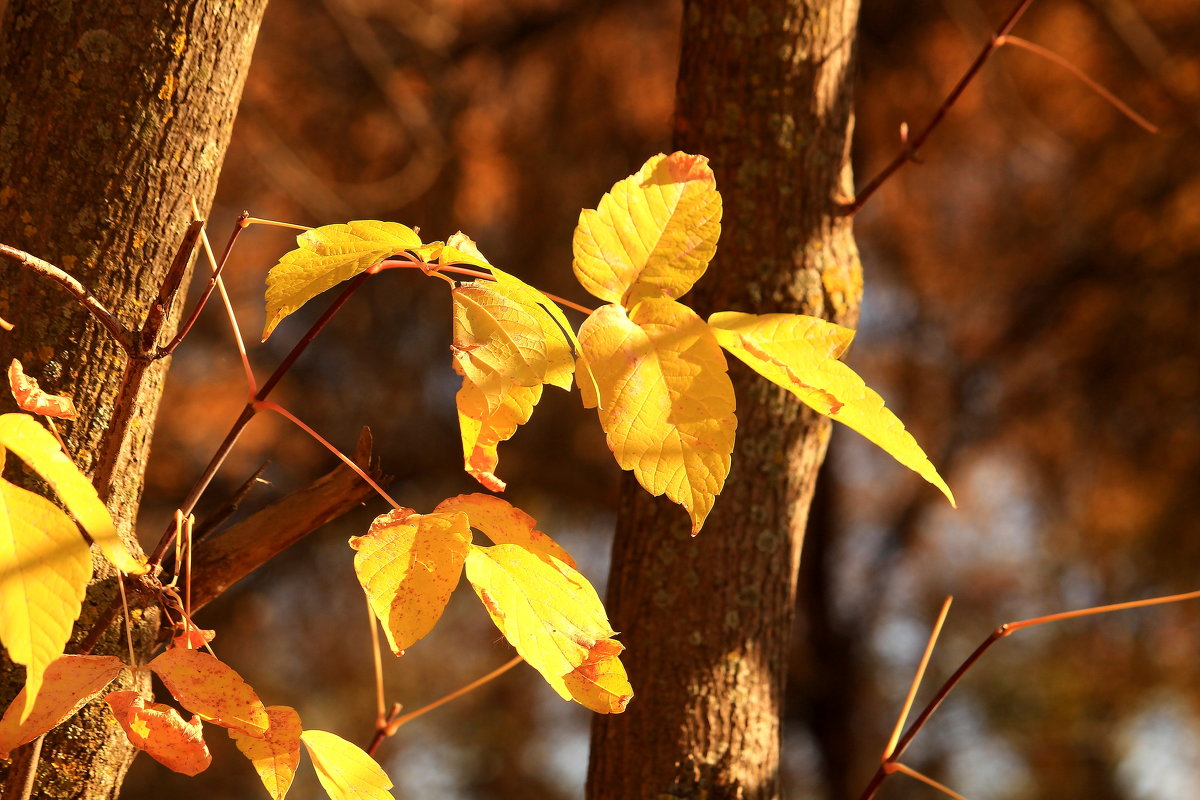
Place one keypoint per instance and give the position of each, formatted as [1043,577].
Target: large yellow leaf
[495,341]
[326,256]
[45,566]
[211,688]
[409,564]
[483,424]
[653,234]
[67,684]
[504,523]
[276,754]
[35,445]
[666,402]
[800,354]
[546,610]
[600,682]
[344,770]
[556,330]
[160,731]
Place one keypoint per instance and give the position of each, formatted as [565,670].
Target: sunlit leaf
[653,234]
[544,608]
[485,422]
[600,683]
[504,523]
[326,256]
[210,688]
[801,356]
[666,401]
[276,754]
[67,684]
[161,732]
[496,341]
[33,444]
[344,770]
[556,330]
[45,566]
[31,398]
[409,564]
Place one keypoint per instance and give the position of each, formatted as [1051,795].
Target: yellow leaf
[409,564]
[653,234]
[495,340]
[546,610]
[276,754]
[34,445]
[206,686]
[327,256]
[600,683]
[461,249]
[161,732]
[485,421]
[801,356]
[344,770]
[556,330]
[504,523]
[67,684]
[45,566]
[666,402]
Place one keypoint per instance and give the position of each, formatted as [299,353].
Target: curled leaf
[409,564]
[161,732]
[600,682]
[31,398]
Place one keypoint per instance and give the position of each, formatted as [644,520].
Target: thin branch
[916,682]
[160,309]
[31,766]
[377,658]
[913,144]
[912,773]
[475,273]
[395,724]
[119,332]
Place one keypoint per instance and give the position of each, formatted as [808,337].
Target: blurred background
[1031,295]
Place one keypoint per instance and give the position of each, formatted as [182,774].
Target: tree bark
[113,117]
[765,92]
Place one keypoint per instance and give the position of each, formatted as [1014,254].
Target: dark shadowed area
[1030,305]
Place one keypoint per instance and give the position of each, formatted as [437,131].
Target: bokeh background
[1030,308]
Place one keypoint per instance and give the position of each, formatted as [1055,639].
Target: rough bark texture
[112,118]
[765,92]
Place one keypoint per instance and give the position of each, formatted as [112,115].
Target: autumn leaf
[653,234]
[276,754]
[484,422]
[207,687]
[800,354]
[35,445]
[557,333]
[68,683]
[409,564]
[666,402]
[31,398]
[344,770]
[326,256]
[495,341]
[600,682]
[544,608]
[504,523]
[161,732]
[45,566]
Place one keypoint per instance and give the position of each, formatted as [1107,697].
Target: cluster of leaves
[651,367]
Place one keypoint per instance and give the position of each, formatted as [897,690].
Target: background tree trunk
[765,92]
[113,117]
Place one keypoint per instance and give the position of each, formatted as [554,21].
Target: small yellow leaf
[67,684]
[600,683]
[666,401]
[45,566]
[210,688]
[801,356]
[495,340]
[485,421]
[344,770]
[409,564]
[504,523]
[326,256]
[556,330]
[161,732]
[35,445]
[653,234]
[461,249]
[546,610]
[276,754]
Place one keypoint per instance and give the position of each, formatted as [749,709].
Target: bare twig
[916,682]
[85,298]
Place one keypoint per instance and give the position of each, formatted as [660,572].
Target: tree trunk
[113,117]
[765,92]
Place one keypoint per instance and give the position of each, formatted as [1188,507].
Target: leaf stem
[916,682]
[395,724]
[912,773]
[475,273]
